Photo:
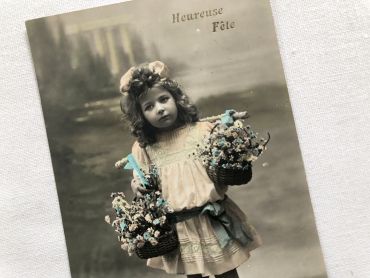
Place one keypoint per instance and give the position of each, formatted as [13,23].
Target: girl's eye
[164,99]
[148,107]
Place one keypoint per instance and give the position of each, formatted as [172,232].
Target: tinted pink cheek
[146,116]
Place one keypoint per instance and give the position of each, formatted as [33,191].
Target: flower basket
[166,243]
[144,225]
[222,176]
[229,150]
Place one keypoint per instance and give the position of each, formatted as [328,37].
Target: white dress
[185,184]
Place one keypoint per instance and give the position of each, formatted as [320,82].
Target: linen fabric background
[325,49]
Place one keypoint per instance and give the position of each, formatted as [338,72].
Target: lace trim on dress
[170,149]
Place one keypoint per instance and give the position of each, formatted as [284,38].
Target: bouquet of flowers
[144,225]
[229,150]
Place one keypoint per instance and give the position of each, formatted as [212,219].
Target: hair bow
[157,67]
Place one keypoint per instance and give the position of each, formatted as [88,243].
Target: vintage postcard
[173,142]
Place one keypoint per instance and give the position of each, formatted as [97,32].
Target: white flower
[238,123]
[131,248]
[162,219]
[153,241]
[132,227]
[246,157]
[124,246]
[148,218]
[127,234]
[119,202]
[254,158]
[107,219]
[136,216]
[150,230]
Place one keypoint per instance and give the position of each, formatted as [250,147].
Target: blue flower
[156,221]
[221,142]
[146,236]
[216,152]
[118,210]
[238,141]
[123,225]
[227,118]
[160,202]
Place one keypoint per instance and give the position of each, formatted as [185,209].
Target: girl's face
[159,108]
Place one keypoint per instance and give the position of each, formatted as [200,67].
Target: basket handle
[213,128]
[236,115]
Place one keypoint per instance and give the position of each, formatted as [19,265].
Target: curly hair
[143,79]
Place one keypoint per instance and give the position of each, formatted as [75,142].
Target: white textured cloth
[325,48]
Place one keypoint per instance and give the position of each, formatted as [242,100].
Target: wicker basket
[166,243]
[222,177]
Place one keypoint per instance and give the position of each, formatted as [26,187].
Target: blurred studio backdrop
[79,58]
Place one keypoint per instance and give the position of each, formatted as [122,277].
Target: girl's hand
[137,188]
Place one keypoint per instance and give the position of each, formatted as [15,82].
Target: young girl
[213,232]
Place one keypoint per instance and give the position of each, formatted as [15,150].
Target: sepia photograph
[173,142]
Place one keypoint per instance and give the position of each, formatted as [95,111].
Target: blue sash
[226,226]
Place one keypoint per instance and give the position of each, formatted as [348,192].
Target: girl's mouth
[164,118]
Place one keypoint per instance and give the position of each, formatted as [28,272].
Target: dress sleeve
[206,128]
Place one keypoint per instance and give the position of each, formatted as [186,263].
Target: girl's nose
[160,109]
